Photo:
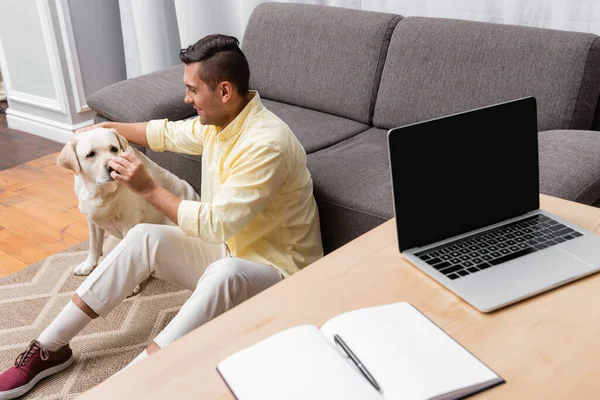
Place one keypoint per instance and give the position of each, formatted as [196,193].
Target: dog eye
[114,149]
[91,154]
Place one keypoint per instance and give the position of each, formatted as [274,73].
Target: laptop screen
[454,174]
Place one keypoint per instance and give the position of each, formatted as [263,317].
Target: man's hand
[90,127]
[131,172]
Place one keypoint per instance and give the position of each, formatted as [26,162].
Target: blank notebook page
[408,355]
[298,363]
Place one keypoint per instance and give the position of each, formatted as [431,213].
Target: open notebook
[407,355]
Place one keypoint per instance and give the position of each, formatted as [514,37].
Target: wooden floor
[38,208]
[17,147]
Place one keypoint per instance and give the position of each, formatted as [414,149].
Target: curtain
[155,30]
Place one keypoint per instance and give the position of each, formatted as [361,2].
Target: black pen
[356,361]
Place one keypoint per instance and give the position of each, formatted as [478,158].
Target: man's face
[207,102]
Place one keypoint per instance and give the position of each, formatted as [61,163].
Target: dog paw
[85,268]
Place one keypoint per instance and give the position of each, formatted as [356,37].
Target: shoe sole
[21,390]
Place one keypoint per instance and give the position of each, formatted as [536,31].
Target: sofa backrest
[437,67]
[323,58]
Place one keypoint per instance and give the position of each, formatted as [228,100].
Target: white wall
[53,53]
[195,19]
[34,78]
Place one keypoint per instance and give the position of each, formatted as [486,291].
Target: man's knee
[228,274]
[238,279]
[145,233]
[226,269]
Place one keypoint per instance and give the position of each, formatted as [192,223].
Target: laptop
[466,200]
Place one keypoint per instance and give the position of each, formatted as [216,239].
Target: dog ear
[68,157]
[122,141]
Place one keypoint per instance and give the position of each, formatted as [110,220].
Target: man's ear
[122,141]
[68,157]
[226,91]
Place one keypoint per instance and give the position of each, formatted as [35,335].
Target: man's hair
[221,59]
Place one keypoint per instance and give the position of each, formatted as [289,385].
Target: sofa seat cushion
[156,95]
[352,186]
[314,129]
[570,165]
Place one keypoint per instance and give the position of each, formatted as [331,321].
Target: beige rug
[31,298]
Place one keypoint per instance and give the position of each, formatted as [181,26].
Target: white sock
[65,326]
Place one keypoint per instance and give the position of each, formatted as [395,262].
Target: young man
[257,222]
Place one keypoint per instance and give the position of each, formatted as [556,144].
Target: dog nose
[109,169]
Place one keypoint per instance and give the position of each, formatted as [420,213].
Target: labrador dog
[108,205]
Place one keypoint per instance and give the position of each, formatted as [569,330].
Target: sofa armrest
[570,164]
[156,95]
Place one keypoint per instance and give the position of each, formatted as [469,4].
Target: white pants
[219,282]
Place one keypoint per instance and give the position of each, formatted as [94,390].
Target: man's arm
[186,136]
[134,132]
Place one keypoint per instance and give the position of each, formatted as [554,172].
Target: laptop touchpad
[586,248]
[518,278]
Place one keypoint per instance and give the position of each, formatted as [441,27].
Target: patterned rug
[31,298]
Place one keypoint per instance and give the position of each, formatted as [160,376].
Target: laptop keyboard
[487,249]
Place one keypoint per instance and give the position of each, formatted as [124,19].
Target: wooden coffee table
[545,347]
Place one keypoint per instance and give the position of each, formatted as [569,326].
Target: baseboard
[43,127]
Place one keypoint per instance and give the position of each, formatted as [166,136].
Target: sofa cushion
[156,95]
[100,118]
[570,165]
[323,58]
[352,186]
[437,67]
[314,129]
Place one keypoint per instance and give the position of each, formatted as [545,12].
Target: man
[257,222]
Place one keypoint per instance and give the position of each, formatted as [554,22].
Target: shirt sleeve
[178,136]
[252,183]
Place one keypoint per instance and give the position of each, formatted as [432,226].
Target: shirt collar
[235,126]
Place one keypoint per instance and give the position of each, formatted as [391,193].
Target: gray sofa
[341,78]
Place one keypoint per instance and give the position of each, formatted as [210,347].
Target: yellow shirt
[257,193]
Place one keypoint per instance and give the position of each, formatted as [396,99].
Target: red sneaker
[31,366]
